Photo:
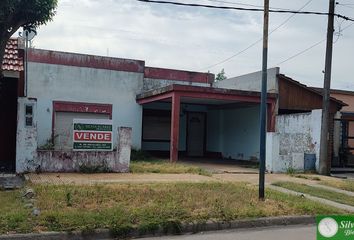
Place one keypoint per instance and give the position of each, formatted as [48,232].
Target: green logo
[335,227]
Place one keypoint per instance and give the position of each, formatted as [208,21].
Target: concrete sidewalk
[344,207]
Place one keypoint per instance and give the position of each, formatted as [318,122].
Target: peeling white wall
[296,135]
[272,150]
[26,141]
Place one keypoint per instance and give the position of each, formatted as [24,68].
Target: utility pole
[263,118]
[324,168]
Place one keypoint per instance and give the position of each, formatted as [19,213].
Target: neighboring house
[343,156]
[178,112]
[11,87]
[296,142]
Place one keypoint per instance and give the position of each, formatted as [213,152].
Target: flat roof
[202,95]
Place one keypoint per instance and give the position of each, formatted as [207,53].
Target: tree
[22,13]
[220,76]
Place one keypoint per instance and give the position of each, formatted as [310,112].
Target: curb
[177,230]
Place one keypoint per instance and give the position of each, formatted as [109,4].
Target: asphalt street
[289,233]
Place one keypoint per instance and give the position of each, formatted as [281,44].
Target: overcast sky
[194,39]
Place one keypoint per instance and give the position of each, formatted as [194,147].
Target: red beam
[219,96]
[175,111]
[155,98]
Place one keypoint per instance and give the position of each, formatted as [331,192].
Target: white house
[159,110]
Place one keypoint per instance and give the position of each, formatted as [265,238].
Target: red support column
[175,109]
[271,117]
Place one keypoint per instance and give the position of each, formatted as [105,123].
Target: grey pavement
[316,199]
[343,175]
[307,232]
[333,189]
[10,181]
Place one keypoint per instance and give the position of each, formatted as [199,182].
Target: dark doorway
[196,134]
[8,124]
[346,150]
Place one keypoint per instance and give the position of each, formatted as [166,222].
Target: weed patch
[347,185]
[146,207]
[163,166]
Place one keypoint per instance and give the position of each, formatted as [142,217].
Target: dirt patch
[92,179]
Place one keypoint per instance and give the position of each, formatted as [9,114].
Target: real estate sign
[335,227]
[92,135]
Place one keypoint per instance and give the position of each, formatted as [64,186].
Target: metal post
[324,168]
[175,115]
[26,31]
[263,118]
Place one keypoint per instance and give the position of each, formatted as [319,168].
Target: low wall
[74,161]
[295,136]
[26,139]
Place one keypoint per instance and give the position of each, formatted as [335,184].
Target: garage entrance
[196,121]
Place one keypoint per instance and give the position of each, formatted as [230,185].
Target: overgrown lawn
[164,166]
[120,207]
[347,185]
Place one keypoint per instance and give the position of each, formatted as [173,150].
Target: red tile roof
[12,61]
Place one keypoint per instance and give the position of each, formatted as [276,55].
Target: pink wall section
[346,98]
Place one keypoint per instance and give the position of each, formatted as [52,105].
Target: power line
[309,48]
[256,42]
[257,10]
[246,9]
[303,51]
[244,4]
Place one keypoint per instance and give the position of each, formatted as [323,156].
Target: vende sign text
[92,135]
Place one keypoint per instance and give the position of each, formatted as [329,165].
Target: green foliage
[172,226]
[17,13]
[22,13]
[52,222]
[69,199]
[290,170]
[49,145]
[347,185]
[121,230]
[220,76]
